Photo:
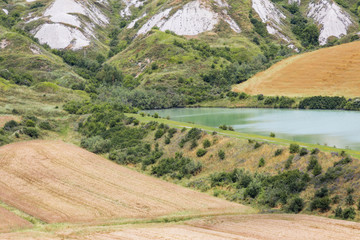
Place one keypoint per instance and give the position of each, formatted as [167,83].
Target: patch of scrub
[192,19]
[333,20]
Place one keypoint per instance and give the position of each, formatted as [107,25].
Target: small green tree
[201,152]
[261,162]
[294,148]
[349,213]
[206,143]
[338,212]
[221,154]
[296,205]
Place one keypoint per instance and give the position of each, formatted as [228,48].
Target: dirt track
[331,71]
[9,221]
[58,182]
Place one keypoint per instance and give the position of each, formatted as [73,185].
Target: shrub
[303,152]
[177,167]
[349,200]
[253,189]
[261,162]
[167,140]
[296,205]
[294,148]
[323,204]
[96,144]
[349,213]
[159,133]
[45,125]
[315,151]
[289,162]
[343,161]
[10,125]
[31,132]
[272,134]
[206,143]
[223,127]
[317,170]
[257,145]
[313,162]
[194,144]
[221,154]
[278,152]
[338,212]
[231,128]
[260,97]
[201,152]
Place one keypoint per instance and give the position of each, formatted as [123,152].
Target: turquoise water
[332,128]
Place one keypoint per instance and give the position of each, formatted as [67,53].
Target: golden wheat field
[333,71]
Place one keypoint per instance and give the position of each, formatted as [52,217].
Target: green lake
[332,128]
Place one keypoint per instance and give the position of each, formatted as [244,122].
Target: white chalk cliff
[333,20]
[192,19]
[64,27]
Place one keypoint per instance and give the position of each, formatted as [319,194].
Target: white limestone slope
[298,2]
[65,28]
[270,15]
[126,12]
[333,20]
[192,19]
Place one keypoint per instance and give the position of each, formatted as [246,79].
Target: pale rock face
[126,12]
[132,24]
[63,29]
[59,36]
[298,2]
[222,3]
[272,16]
[333,20]
[5,11]
[192,19]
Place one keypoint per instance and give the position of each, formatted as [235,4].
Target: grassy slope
[330,71]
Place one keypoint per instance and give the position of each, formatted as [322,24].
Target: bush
[206,143]
[96,144]
[167,140]
[289,162]
[350,200]
[194,144]
[317,170]
[278,152]
[45,125]
[296,205]
[257,145]
[201,152]
[313,162]
[338,212]
[272,135]
[31,132]
[10,125]
[294,148]
[177,167]
[261,162]
[343,161]
[303,152]
[349,213]
[221,154]
[323,204]
[159,133]
[315,151]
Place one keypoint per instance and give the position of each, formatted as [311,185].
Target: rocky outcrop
[333,20]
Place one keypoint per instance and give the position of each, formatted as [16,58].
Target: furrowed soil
[58,182]
[10,221]
[330,71]
[246,227]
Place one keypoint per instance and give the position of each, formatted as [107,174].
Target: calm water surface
[333,128]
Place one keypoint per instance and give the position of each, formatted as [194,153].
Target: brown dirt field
[245,227]
[5,118]
[9,221]
[58,182]
[330,71]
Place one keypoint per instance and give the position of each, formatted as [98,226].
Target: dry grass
[58,182]
[331,71]
[6,118]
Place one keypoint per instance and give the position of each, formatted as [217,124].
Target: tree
[221,154]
